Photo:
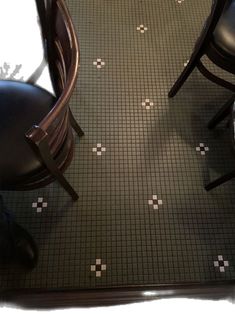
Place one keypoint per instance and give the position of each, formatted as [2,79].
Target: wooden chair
[227,110]
[36,138]
[217,42]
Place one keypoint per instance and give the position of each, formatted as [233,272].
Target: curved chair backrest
[62,54]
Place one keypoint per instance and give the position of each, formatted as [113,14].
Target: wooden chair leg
[220,181]
[213,78]
[182,78]
[222,113]
[75,125]
[51,165]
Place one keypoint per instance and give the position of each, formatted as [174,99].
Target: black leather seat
[224,33]
[17,100]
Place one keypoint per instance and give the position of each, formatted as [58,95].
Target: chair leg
[213,78]
[222,113]
[220,181]
[75,125]
[51,165]
[182,78]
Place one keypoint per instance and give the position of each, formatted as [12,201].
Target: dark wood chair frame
[227,110]
[205,46]
[52,139]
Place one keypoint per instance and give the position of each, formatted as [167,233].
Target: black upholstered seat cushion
[21,106]
[224,34]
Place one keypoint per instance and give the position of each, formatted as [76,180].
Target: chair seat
[224,34]
[22,105]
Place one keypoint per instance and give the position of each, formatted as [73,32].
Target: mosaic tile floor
[143,216]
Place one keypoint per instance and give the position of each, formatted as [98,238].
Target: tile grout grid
[143,216]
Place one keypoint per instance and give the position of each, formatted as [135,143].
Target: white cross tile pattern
[202,148]
[155,202]
[99,149]
[99,63]
[221,264]
[98,268]
[39,205]
[147,104]
[141,28]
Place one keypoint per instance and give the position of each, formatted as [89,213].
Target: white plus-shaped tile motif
[202,148]
[99,149]
[221,263]
[98,267]
[155,202]
[141,28]
[40,204]
[99,63]
[147,104]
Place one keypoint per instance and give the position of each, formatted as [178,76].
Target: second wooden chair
[217,42]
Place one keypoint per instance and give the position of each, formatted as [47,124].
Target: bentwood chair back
[34,124]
